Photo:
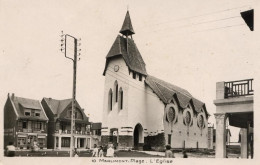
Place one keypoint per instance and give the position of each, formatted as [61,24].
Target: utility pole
[63,49]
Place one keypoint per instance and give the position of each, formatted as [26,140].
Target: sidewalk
[162,154]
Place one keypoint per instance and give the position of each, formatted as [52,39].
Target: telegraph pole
[63,49]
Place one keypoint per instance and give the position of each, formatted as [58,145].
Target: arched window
[116,91]
[121,98]
[110,99]
[170,116]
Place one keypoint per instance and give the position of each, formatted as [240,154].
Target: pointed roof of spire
[132,57]
[127,28]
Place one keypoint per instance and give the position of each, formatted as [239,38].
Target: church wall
[141,105]
[116,118]
[125,142]
[154,112]
[155,142]
[137,105]
[182,135]
[154,117]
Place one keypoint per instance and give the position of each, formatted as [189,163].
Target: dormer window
[32,112]
[27,113]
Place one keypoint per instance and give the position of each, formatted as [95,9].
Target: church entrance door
[138,135]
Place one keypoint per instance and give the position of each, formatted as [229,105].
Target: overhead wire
[203,22]
[224,27]
[193,24]
[216,20]
[210,13]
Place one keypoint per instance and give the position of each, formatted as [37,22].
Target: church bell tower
[124,73]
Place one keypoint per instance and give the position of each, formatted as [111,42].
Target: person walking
[101,152]
[184,154]
[95,151]
[76,154]
[35,145]
[110,151]
[168,152]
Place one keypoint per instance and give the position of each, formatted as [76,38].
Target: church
[141,111]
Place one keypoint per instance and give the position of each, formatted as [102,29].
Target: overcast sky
[192,45]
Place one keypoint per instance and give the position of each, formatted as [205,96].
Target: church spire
[127,28]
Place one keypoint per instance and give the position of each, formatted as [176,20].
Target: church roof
[127,28]
[166,91]
[126,48]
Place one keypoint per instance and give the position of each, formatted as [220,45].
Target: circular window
[200,121]
[170,114]
[188,118]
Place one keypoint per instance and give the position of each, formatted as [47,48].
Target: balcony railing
[239,88]
[31,130]
[75,132]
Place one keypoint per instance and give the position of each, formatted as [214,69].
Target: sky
[190,44]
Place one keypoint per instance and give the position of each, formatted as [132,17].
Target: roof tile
[165,91]
[130,53]
[20,102]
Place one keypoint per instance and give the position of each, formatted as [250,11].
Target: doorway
[65,142]
[138,135]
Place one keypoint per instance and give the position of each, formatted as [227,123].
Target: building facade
[25,121]
[95,130]
[59,127]
[141,110]
[235,102]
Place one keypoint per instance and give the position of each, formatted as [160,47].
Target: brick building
[24,122]
[140,109]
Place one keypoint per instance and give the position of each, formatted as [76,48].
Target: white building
[140,109]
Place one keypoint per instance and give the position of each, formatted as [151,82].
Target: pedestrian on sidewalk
[184,154]
[110,151]
[95,151]
[168,152]
[101,152]
[76,152]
